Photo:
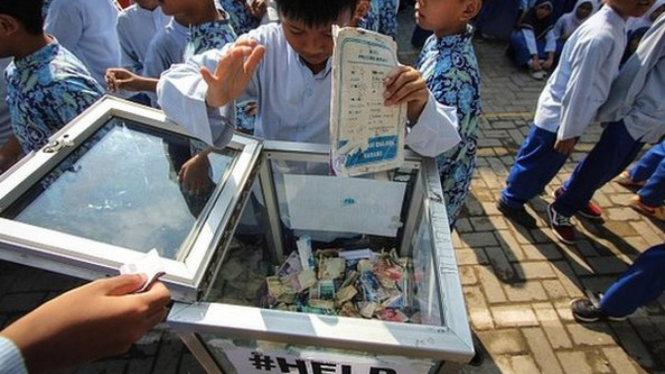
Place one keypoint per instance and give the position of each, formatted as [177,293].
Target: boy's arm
[434,129]
[588,86]
[181,93]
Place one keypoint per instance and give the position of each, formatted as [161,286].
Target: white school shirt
[637,93]
[11,359]
[294,104]
[87,29]
[165,48]
[136,28]
[581,82]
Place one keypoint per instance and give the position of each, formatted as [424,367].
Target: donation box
[275,264]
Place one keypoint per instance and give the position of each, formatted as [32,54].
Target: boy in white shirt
[287,68]
[136,27]
[87,29]
[577,88]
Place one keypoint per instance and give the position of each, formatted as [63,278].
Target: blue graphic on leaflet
[380,149]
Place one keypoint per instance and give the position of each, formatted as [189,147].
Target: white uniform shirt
[294,104]
[87,29]
[637,93]
[136,28]
[581,82]
[165,49]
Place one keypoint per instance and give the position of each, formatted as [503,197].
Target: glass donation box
[275,264]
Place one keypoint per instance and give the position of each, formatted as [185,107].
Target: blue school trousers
[651,167]
[615,150]
[641,283]
[536,164]
[519,52]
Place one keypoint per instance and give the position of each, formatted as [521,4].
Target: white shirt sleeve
[559,28]
[550,41]
[181,93]
[11,359]
[530,39]
[587,88]
[436,129]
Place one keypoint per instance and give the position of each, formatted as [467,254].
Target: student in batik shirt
[381,17]
[47,86]
[240,16]
[448,65]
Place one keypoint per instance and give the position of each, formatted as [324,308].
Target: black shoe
[585,311]
[519,216]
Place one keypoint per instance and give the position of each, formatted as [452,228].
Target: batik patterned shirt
[239,16]
[207,36]
[45,91]
[381,17]
[450,69]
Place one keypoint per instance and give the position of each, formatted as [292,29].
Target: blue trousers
[615,150]
[518,51]
[651,167]
[641,283]
[536,164]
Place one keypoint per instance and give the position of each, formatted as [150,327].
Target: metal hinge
[55,145]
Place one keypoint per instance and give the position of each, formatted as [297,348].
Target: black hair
[315,12]
[26,12]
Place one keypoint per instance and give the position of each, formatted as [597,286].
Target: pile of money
[357,283]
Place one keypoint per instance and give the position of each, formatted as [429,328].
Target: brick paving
[517,282]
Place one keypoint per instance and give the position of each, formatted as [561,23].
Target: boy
[448,65]
[87,29]
[579,85]
[287,68]
[208,28]
[47,86]
[633,115]
[136,27]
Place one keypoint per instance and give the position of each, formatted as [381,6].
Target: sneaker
[625,180]
[538,75]
[519,216]
[590,211]
[657,212]
[562,227]
[586,311]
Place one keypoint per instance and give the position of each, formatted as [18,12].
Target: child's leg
[642,282]
[536,164]
[519,51]
[648,163]
[615,150]
[653,193]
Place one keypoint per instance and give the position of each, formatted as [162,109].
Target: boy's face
[444,17]
[630,8]
[313,44]
[147,4]
[543,11]
[583,10]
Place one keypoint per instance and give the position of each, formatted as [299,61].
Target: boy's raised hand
[233,73]
[405,84]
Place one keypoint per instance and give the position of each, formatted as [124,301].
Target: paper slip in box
[366,136]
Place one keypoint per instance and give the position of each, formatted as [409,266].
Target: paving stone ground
[517,282]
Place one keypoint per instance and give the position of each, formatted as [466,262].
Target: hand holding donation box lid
[366,136]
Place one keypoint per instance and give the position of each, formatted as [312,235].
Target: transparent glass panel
[128,185]
[426,289]
[236,356]
[330,266]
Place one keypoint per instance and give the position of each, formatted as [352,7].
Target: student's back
[589,62]
[87,29]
